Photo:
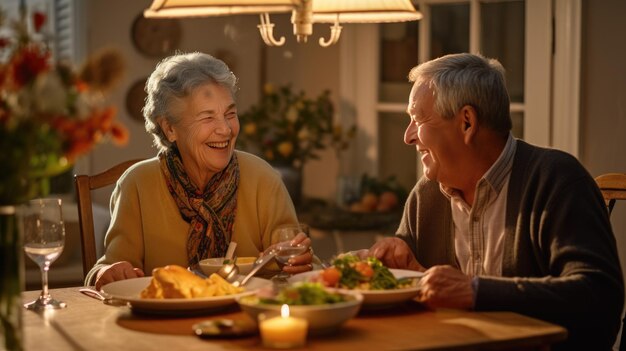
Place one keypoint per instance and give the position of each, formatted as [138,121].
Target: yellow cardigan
[148,231]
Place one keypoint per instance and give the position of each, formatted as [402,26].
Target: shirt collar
[496,175]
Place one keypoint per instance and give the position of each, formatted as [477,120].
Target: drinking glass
[44,238]
[281,238]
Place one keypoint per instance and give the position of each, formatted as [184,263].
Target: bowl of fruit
[373,204]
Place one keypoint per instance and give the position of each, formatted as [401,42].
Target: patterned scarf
[211,214]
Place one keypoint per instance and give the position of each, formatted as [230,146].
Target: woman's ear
[167,129]
[469,120]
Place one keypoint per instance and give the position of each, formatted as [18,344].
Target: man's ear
[469,123]
[167,129]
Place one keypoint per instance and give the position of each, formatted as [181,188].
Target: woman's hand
[300,263]
[117,271]
[303,262]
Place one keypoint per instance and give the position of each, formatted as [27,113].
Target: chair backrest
[613,187]
[84,185]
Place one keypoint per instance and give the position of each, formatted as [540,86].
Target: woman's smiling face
[206,131]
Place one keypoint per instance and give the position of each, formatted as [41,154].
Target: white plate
[375,298]
[129,290]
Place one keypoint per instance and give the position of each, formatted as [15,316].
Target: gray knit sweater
[560,261]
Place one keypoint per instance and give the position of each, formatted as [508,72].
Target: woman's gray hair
[458,80]
[175,78]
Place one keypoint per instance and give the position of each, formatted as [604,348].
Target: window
[516,32]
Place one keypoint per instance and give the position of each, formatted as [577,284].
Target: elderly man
[497,223]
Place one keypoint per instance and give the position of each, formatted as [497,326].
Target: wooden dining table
[89,324]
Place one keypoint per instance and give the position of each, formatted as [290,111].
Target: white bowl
[323,319]
[211,265]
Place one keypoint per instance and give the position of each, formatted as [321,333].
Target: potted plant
[288,129]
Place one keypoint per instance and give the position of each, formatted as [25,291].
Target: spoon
[230,250]
[105,298]
[229,271]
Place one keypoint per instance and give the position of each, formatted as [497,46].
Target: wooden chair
[613,187]
[84,185]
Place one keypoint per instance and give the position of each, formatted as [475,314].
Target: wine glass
[281,239]
[44,238]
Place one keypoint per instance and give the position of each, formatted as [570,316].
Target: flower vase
[11,278]
[292,177]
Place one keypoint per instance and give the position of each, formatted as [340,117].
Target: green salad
[304,293]
[351,272]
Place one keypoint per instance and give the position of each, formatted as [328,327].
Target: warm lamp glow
[360,11]
[304,13]
[202,8]
[364,11]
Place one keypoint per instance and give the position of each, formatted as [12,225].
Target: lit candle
[283,331]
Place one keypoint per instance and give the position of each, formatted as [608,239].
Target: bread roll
[174,281]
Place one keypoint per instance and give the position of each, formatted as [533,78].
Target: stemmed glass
[44,238]
[281,238]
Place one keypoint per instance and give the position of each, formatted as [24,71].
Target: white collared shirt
[479,229]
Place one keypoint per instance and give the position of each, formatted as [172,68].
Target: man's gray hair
[458,80]
[175,78]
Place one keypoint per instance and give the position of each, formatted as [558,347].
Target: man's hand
[395,253]
[445,286]
[117,271]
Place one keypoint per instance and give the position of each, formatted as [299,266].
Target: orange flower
[105,119]
[78,148]
[81,86]
[119,134]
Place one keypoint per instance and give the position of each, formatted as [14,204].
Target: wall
[603,99]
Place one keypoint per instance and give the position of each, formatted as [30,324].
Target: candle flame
[284,311]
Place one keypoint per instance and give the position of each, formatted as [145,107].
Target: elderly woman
[199,193]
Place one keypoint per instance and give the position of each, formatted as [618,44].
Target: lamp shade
[364,11]
[203,8]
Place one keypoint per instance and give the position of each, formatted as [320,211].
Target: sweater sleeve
[407,230]
[124,238]
[426,225]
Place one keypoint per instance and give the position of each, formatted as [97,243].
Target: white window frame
[566,76]
[551,106]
